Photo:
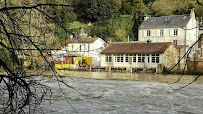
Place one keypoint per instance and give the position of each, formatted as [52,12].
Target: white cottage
[81,47]
[140,55]
[179,29]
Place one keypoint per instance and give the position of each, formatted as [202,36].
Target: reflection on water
[132,76]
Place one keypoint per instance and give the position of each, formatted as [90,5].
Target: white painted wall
[95,49]
[187,35]
[192,32]
[127,64]
[167,37]
[87,50]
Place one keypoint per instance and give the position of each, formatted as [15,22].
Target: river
[124,93]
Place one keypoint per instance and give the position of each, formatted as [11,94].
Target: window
[141,58]
[167,18]
[161,32]
[148,32]
[119,58]
[126,58]
[107,58]
[175,32]
[134,58]
[175,42]
[147,58]
[80,47]
[89,47]
[155,58]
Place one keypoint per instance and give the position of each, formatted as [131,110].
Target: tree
[139,9]
[27,31]
[126,8]
[97,10]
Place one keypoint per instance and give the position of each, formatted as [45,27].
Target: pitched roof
[74,40]
[83,40]
[166,22]
[130,48]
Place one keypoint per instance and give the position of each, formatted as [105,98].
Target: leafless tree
[28,29]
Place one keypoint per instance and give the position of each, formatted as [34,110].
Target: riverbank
[130,76]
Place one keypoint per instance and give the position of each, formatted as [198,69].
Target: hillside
[170,7]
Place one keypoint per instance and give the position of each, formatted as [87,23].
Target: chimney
[82,33]
[146,16]
[71,36]
[192,13]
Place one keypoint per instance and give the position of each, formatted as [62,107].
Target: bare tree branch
[199,3]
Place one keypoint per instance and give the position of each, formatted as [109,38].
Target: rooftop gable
[130,48]
[174,21]
[74,40]
[83,40]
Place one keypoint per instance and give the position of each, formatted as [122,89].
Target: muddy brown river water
[132,76]
[125,93]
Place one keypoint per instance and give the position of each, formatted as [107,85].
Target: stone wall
[195,67]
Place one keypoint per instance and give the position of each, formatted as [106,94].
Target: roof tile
[130,48]
[166,22]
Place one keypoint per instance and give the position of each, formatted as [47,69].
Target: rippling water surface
[125,93]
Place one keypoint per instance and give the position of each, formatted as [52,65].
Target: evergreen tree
[97,10]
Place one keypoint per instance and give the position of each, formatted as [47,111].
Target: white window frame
[175,32]
[126,58]
[161,32]
[148,33]
[155,58]
[175,42]
[134,58]
[119,58]
[141,58]
[107,58]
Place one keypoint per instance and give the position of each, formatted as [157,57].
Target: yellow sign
[59,66]
[84,60]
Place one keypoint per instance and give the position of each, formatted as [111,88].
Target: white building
[140,55]
[179,29]
[81,47]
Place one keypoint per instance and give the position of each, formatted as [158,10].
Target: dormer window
[167,18]
[153,19]
[184,17]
